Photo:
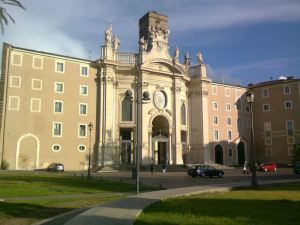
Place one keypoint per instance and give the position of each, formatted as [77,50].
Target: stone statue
[116,42]
[199,58]
[187,59]
[108,35]
[176,55]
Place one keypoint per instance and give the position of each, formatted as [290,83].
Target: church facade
[169,111]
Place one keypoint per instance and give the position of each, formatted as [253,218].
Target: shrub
[4,165]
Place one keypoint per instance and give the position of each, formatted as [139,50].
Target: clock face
[160,100]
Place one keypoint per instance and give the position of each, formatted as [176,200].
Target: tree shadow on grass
[221,211]
[26,210]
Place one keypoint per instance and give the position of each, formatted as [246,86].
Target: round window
[56,148]
[81,148]
[160,99]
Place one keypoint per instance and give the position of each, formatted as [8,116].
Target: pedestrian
[245,168]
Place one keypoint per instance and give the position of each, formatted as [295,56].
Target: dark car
[204,170]
[296,166]
[56,167]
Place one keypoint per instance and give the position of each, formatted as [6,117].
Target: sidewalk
[124,212]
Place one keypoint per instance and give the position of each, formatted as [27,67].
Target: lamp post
[90,144]
[250,100]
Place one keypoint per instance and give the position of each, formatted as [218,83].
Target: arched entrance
[219,154]
[241,153]
[160,140]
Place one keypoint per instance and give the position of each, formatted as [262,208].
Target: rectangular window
[269,151]
[83,90]
[215,120]
[216,135]
[214,90]
[37,62]
[238,104]
[83,71]
[82,130]
[228,107]
[290,151]
[288,104]
[36,84]
[35,105]
[230,152]
[15,81]
[240,126]
[265,93]
[82,109]
[58,87]
[266,107]
[287,89]
[268,141]
[57,129]
[59,66]
[229,135]
[247,109]
[215,105]
[290,127]
[58,106]
[17,59]
[14,103]
[290,140]
[228,121]
[227,92]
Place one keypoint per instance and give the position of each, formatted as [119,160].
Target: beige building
[178,113]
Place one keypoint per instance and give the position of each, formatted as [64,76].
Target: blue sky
[241,41]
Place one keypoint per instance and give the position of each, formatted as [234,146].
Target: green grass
[272,205]
[29,196]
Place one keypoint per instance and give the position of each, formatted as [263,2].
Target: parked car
[296,166]
[204,170]
[56,167]
[268,167]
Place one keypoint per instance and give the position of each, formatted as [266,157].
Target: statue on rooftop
[199,58]
[108,35]
[116,42]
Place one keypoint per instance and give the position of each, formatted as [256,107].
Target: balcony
[127,58]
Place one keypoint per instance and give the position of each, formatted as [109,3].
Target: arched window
[126,110]
[183,114]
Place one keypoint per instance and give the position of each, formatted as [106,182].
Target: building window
[228,121]
[214,90]
[126,110]
[17,59]
[247,109]
[240,126]
[215,105]
[56,147]
[230,152]
[290,140]
[57,129]
[216,120]
[84,71]
[36,84]
[59,66]
[267,129]
[37,62]
[229,135]
[269,151]
[290,127]
[287,89]
[35,105]
[82,130]
[83,90]
[14,103]
[268,141]
[266,107]
[82,109]
[288,104]
[216,135]
[15,81]
[228,107]
[81,148]
[265,93]
[238,104]
[290,151]
[58,87]
[227,92]
[58,107]
[183,114]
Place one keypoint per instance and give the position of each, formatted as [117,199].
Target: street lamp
[90,144]
[250,100]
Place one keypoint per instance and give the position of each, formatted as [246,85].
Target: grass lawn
[27,197]
[269,205]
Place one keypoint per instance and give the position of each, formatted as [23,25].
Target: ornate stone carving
[108,35]
[178,89]
[116,42]
[159,87]
[199,58]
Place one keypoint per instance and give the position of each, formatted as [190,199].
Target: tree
[4,16]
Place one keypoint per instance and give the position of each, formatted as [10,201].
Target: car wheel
[266,170]
[220,175]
